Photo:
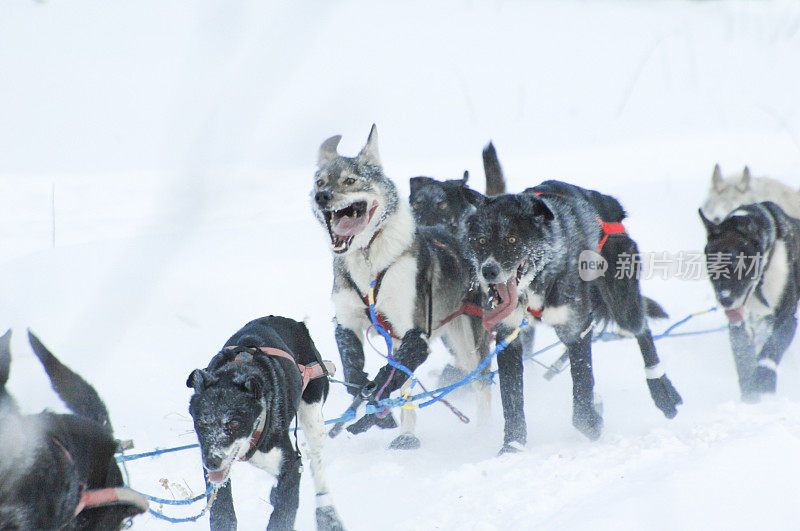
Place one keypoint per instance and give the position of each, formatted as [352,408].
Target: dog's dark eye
[232,425]
[320,182]
[348,181]
[442,206]
[482,241]
[512,240]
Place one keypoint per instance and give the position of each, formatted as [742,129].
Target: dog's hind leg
[222,517]
[765,375]
[584,415]
[661,389]
[509,365]
[744,355]
[310,417]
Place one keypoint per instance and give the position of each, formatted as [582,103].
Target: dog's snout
[726,301]
[323,198]
[490,272]
[213,461]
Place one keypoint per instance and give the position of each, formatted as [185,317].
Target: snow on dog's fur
[422,277]
[728,193]
[526,249]
[243,405]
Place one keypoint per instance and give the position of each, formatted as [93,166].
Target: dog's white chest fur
[397,294]
[268,461]
[773,282]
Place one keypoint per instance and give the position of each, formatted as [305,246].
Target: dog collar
[258,433]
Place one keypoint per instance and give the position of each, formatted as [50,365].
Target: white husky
[726,194]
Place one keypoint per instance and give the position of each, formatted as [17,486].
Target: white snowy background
[172,145]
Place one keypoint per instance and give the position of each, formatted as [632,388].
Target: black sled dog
[422,280]
[448,203]
[57,471]
[753,261]
[268,374]
[527,249]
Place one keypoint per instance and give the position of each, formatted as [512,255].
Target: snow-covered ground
[172,146]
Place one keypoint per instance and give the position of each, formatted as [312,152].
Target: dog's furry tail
[495,183]
[78,395]
[654,310]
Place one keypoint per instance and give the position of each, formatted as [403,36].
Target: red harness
[609,229]
[536,313]
[91,498]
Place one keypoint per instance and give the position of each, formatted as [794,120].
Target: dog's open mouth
[502,300]
[735,315]
[219,476]
[346,223]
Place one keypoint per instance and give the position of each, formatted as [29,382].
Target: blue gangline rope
[388,403]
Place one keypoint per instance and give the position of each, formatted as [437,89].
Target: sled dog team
[450,263]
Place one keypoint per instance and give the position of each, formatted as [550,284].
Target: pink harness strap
[307,372]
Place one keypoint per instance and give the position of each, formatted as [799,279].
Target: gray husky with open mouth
[420,276]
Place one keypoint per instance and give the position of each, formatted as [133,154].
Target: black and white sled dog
[268,374]
[527,249]
[725,194]
[753,262]
[57,471]
[421,275]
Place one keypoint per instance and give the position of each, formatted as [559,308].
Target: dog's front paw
[511,447]
[664,395]
[368,421]
[764,380]
[405,441]
[328,519]
[588,421]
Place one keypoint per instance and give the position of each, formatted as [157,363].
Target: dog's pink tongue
[217,476]
[347,226]
[735,315]
[350,226]
[508,298]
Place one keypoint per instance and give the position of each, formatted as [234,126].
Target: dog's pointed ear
[415,184]
[474,197]
[465,178]
[369,153]
[710,226]
[327,151]
[200,379]
[716,179]
[744,181]
[537,208]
